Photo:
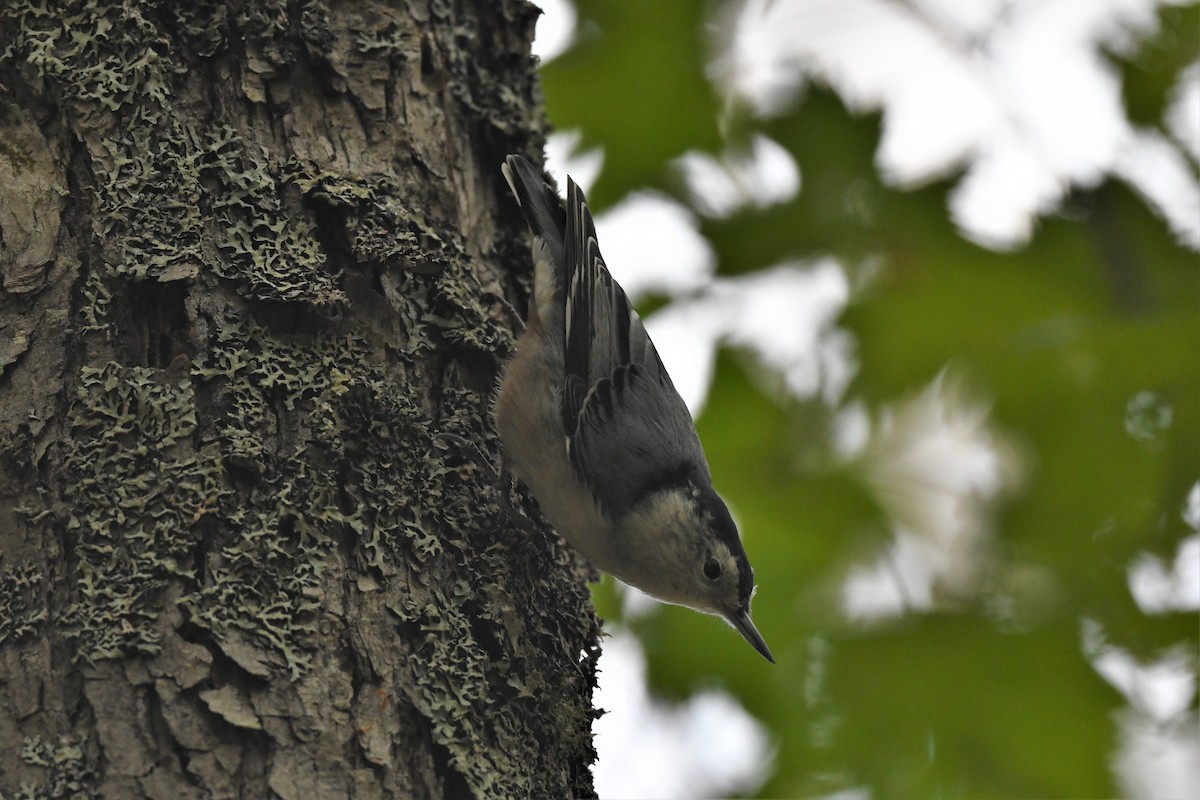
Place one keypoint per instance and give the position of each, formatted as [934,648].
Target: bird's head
[681,546]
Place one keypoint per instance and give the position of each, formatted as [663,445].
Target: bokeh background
[926,271]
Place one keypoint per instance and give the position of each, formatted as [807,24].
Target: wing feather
[628,428]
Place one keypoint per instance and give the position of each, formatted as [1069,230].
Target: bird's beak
[740,619]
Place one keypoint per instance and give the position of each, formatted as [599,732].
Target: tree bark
[256,260]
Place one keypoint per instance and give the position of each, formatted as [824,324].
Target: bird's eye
[712,569]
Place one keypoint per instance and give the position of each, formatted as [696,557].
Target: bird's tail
[547,219]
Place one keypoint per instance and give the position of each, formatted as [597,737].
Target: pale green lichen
[373,472]
[377,227]
[392,41]
[163,185]
[106,56]
[22,607]
[137,488]
[265,579]
[149,203]
[476,325]
[494,83]
[160,182]
[272,255]
[479,659]
[69,764]
[95,313]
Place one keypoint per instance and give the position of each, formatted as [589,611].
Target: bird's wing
[628,430]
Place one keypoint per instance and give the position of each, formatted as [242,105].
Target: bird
[591,423]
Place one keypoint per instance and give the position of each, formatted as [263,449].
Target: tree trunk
[255,260]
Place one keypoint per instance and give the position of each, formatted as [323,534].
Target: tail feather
[547,219]
[540,203]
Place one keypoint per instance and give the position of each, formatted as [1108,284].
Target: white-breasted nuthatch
[592,424]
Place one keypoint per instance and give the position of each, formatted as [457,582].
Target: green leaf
[635,83]
[1148,76]
[947,706]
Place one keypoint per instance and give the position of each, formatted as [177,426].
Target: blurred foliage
[1060,336]
[635,84]
[1149,76]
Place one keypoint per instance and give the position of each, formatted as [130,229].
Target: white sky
[1017,92]
[704,747]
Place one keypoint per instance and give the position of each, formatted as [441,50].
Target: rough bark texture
[255,259]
